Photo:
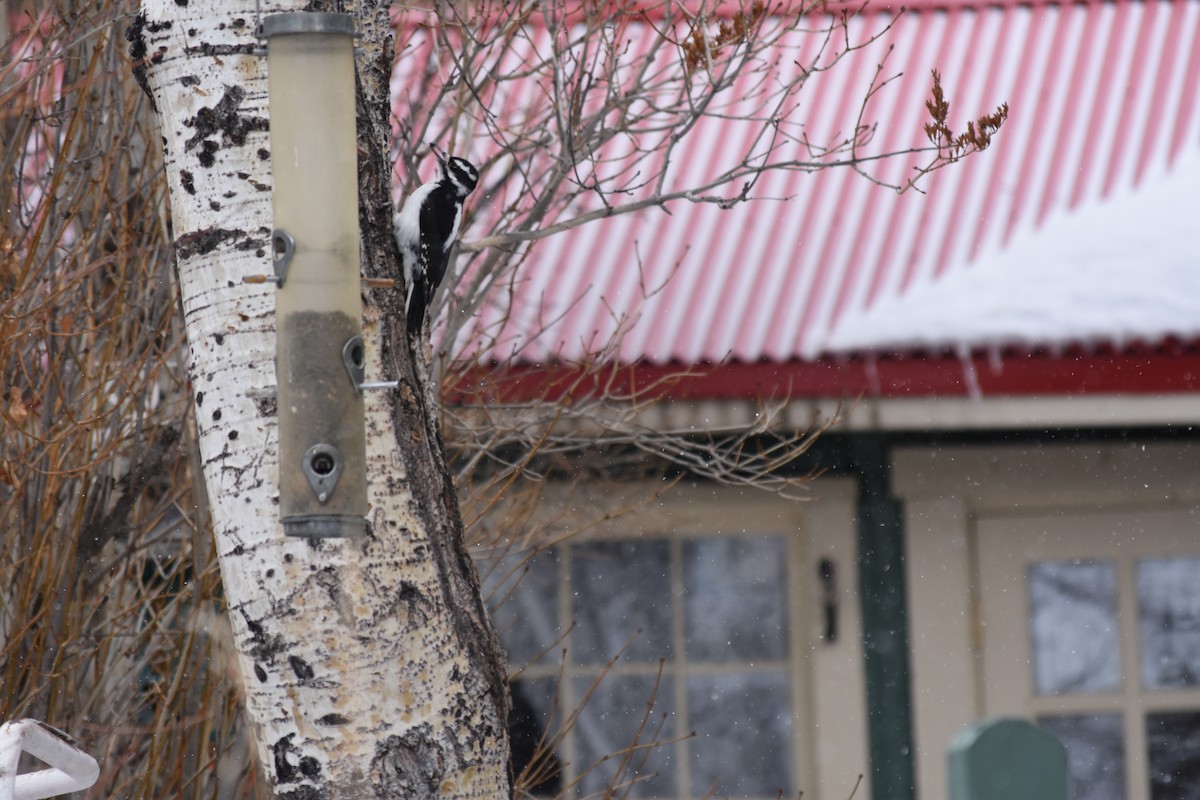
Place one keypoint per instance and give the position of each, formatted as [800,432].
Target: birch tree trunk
[369,665]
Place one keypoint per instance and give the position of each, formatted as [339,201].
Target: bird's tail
[416,308]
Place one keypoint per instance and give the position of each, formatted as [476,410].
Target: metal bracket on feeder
[355,361]
[283,247]
[354,358]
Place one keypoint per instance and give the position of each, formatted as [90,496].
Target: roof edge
[1075,372]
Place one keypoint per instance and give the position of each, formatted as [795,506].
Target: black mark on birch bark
[135,35]
[408,766]
[205,240]
[222,120]
[302,668]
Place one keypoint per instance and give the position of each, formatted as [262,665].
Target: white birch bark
[370,669]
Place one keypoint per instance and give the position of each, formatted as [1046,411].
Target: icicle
[970,376]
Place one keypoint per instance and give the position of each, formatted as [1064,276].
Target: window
[705,626]
[1075,624]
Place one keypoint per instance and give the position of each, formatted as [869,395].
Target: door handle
[827,576]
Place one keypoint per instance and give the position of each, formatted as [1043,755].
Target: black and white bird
[426,227]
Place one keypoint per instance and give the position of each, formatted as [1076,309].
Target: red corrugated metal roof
[1103,101]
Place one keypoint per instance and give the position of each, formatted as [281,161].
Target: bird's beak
[437,151]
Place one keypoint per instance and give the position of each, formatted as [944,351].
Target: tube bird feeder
[318,310]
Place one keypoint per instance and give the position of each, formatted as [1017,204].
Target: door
[1090,623]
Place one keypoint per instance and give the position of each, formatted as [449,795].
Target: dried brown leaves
[953,146]
[700,46]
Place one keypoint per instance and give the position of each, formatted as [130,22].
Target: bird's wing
[438,226]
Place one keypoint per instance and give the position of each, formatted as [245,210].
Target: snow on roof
[1117,271]
[1073,228]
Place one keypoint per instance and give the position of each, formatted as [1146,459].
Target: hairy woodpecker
[426,227]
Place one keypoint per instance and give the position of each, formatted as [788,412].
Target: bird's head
[460,172]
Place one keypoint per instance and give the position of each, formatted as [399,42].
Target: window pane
[522,593]
[614,724]
[1095,754]
[619,589]
[1073,608]
[743,727]
[1173,741]
[1169,618]
[736,598]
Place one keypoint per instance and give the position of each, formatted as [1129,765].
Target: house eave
[1096,388]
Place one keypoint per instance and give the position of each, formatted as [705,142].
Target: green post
[885,622]
[1007,759]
